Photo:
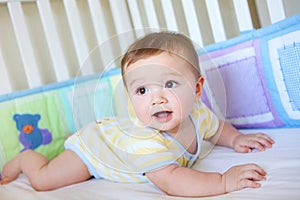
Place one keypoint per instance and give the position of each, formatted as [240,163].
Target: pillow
[257,75]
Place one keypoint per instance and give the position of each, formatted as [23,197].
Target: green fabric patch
[48,105]
[55,111]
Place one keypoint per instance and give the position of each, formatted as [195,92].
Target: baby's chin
[158,125]
[163,128]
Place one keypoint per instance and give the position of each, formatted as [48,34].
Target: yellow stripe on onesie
[121,150]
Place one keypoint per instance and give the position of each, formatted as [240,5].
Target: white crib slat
[55,48]
[24,44]
[120,15]
[136,17]
[192,22]
[276,10]
[78,36]
[216,20]
[5,85]
[122,23]
[151,14]
[169,15]
[243,15]
[98,20]
[101,32]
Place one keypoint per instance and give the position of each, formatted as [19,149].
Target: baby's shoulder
[200,110]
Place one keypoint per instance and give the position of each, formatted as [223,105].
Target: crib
[51,40]
[59,57]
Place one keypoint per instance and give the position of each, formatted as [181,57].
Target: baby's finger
[259,146]
[256,168]
[255,144]
[253,175]
[243,149]
[246,183]
[265,140]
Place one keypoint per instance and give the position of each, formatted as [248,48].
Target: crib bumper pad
[41,118]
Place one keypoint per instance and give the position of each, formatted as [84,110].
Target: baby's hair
[159,42]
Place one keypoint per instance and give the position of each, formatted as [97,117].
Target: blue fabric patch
[289,58]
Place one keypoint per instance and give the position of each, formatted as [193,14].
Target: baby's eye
[170,84]
[142,90]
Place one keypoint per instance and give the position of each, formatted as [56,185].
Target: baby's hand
[246,142]
[243,176]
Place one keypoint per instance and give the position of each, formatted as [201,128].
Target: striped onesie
[121,150]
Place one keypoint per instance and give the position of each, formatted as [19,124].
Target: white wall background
[46,41]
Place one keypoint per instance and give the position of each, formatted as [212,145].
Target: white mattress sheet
[282,164]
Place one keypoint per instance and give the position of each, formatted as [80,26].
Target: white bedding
[282,164]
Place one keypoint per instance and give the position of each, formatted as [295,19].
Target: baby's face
[163,90]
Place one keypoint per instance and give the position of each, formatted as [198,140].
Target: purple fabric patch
[205,98]
[244,92]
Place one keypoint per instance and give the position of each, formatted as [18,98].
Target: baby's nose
[159,98]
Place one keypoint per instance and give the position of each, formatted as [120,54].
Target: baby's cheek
[144,117]
[141,113]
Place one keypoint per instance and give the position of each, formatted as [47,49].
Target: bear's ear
[16,117]
[37,117]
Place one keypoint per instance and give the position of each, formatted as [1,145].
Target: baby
[160,142]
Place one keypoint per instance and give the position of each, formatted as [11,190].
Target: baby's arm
[244,143]
[181,181]
[67,168]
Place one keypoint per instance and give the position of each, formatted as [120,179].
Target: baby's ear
[199,86]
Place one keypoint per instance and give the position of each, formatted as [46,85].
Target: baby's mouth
[163,115]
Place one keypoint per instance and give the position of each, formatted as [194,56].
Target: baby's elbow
[176,192]
[167,180]
[170,188]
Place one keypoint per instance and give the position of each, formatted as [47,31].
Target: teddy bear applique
[30,135]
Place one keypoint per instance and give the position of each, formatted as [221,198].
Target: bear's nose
[27,129]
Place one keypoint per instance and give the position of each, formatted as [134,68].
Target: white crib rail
[45,41]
